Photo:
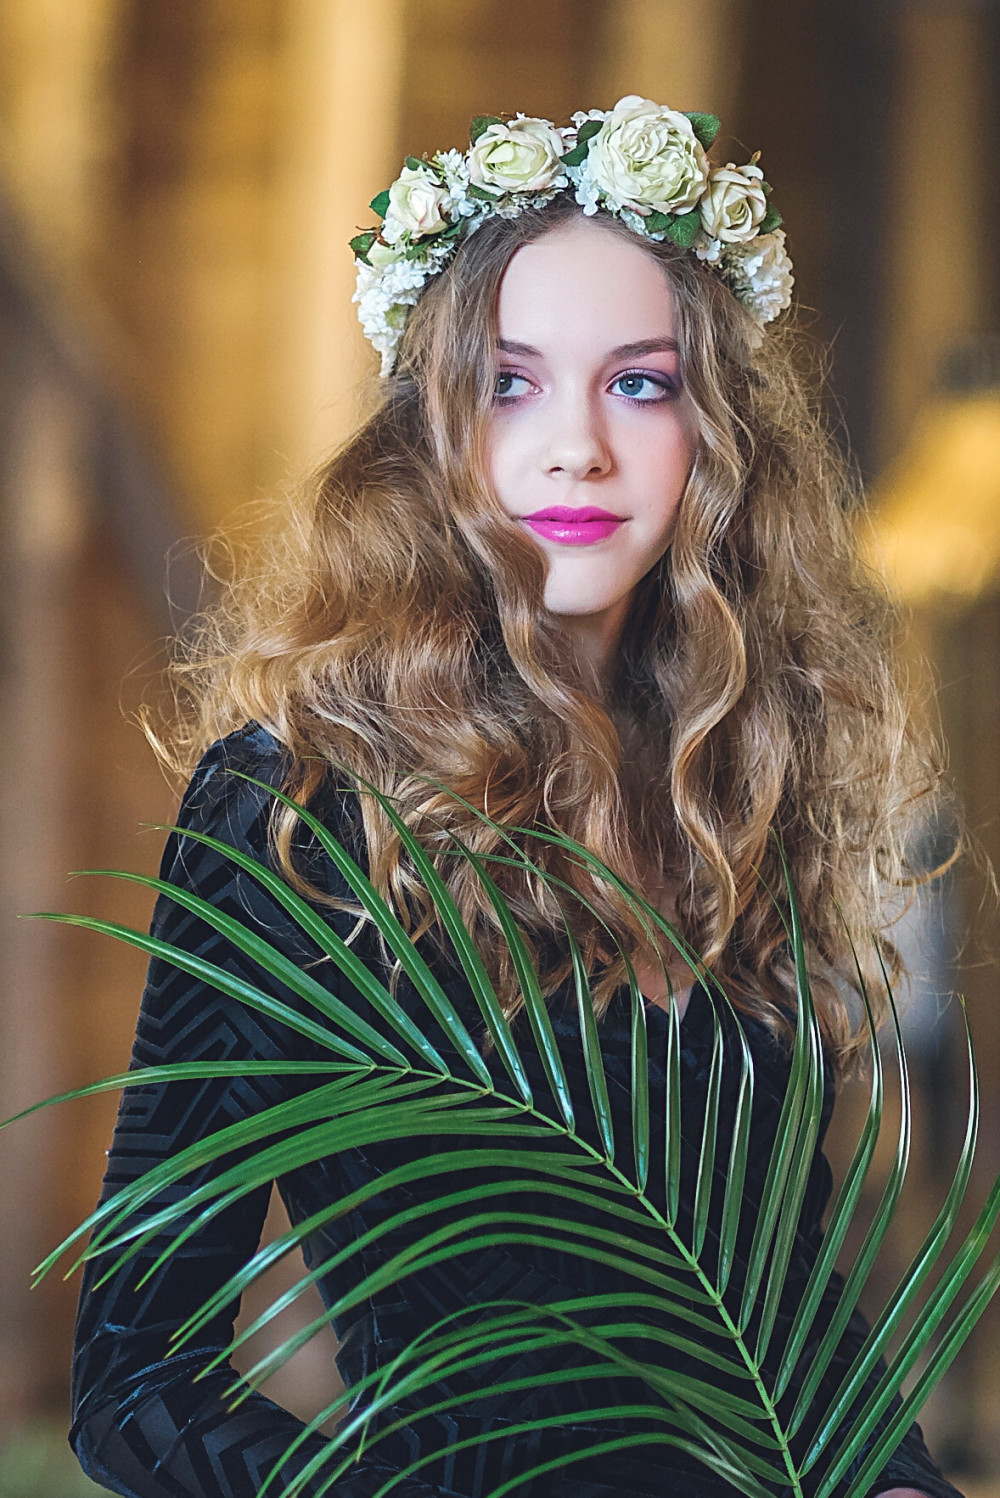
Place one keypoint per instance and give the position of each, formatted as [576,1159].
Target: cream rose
[523,155]
[734,203]
[648,158]
[415,202]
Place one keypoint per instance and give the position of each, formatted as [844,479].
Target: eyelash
[670,387]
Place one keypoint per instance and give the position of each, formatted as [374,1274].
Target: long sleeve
[143,1426]
[911,1465]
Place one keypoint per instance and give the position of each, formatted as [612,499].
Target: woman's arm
[143,1426]
[911,1471]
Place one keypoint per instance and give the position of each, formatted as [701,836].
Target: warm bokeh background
[177,182]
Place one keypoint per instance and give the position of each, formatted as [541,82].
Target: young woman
[589,565]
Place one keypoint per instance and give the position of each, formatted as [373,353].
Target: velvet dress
[144,1426]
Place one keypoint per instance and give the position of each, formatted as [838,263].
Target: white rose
[415,204]
[734,203]
[648,158]
[523,155]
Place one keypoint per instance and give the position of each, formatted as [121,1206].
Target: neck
[596,638]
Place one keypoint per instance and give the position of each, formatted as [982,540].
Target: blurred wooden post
[678,52]
[943,282]
[942,287]
[42,523]
[815,97]
[338,129]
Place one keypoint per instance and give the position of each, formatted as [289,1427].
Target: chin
[578,603]
[592,609]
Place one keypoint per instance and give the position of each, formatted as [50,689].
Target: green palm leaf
[704,1282]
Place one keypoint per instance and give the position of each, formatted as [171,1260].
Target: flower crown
[640,161]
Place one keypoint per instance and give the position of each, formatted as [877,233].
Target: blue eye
[502,389]
[646,389]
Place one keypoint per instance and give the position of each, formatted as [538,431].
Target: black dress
[143,1426]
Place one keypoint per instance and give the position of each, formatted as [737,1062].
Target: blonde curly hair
[396,630]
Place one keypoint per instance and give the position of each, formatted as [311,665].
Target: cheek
[500,463]
[667,472]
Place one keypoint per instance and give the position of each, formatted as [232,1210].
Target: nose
[577,446]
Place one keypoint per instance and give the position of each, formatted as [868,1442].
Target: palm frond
[708,1278]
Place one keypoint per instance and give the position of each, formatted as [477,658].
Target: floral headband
[640,161]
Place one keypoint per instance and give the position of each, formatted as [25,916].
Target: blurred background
[178,180]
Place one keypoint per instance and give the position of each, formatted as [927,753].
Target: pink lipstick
[573,527]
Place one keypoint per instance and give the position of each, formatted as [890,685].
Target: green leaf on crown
[683,228]
[657,222]
[770,221]
[481,124]
[380,203]
[414,163]
[705,126]
[576,157]
[475,191]
[362,243]
[586,132]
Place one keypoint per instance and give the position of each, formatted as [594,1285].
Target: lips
[578,515]
[581,526]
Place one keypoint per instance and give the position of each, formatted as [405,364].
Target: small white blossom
[760,272]
[454,170]
[583,115]
[587,194]
[385,294]
[638,225]
[709,250]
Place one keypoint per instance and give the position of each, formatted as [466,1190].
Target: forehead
[584,283]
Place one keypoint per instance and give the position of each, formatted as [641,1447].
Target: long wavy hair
[393,629]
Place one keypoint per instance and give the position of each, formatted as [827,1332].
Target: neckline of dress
[698,998]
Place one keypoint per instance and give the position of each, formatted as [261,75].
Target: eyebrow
[623,351]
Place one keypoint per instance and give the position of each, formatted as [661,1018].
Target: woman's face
[592,433]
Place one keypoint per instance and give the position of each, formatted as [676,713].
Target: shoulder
[222,980]
[224,776]
[229,798]
[221,855]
